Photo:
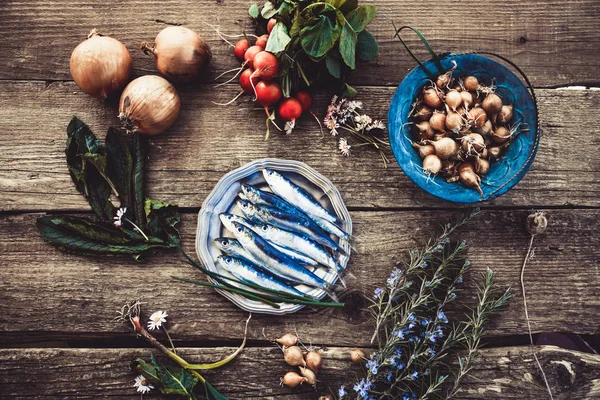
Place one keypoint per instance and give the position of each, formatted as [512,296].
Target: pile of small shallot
[460,126]
[308,361]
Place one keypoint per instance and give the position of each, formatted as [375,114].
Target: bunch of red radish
[260,69]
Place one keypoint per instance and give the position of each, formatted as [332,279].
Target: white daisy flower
[344,147]
[289,127]
[120,213]
[142,385]
[362,121]
[157,319]
[377,124]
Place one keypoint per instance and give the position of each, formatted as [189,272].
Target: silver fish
[294,255]
[247,272]
[299,244]
[234,248]
[228,220]
[277,263]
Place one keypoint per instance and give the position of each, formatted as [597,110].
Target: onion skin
[357,355]
[149,105]
[477,117]
[432,164]
[310,376]
[100,65]
[314,361]
[292,379]
[482,166]
[505,115]
[180,53]
[424,150]
[424,130]
[492,104]
[502,135]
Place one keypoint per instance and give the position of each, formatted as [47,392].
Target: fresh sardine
[274,260]
[248,272]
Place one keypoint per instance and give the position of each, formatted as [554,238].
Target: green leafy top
[97,170]
[317,40]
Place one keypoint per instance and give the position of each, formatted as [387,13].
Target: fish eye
[228,260]
[239,229]
[265,228]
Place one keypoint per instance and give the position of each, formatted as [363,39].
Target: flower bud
[536,223]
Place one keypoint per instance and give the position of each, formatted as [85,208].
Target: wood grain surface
[209,140]
[499,373]
[66,303]
[554,41]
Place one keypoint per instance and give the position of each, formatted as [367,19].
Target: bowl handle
[535,106]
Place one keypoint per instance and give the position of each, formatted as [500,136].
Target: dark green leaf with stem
[366,46]
[138,179]
[268,10]
[348,41]
[319,38]
[361,17]
[278,39]
[254,11]
[119,164]
[333,66]
[162,219]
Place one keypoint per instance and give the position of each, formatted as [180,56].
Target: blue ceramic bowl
[516,159]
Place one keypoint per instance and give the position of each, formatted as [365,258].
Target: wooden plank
[208,141]
[56,296]
[499,373]
[554,47]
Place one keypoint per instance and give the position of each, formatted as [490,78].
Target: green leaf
[348,6]
[85,155]
[285,9]
[299,22]
[333,66]
[148,370]
[278,39]
[253,10]
[336,3]
[178,381]
[366,47]
[360,17]
[120,164]
[162,219]
[349,91]
[139,159]
[212,393]
[348,41]
[318,39]
[89,237]
[268,10]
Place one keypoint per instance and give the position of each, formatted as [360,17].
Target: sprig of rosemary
[414,335]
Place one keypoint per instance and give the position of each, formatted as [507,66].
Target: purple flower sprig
[344,115]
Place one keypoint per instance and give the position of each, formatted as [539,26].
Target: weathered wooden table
[57,333]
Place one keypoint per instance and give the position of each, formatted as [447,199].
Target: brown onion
[180,53]
[287,340]
[445,147]
[100,65]
[467,99]
[453,99]
[454,121]
[444,80]
[482,166]
[293,356]
[431,97]
[149,105]
[425,130]
[357,355]
[473,144]
[423,113]
[313,360]
[310,376]
[487,128]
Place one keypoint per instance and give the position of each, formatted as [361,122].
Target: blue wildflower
[431,351]
[413,339]
[442,317]
[399,333]
[451,296]
[373,365]
[460,279]
[427,372]
[389,376]
[409,396]
[425,321]
[414,376]
[377,293]
[362,388]
[342,391]
[394,277]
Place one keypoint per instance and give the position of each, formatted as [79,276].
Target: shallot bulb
[425,130]
[431,97]
[422,113]
[492,104]
[453,99]
[424,150]
[180,53]
[100,65]
[482,166]
[149,105]
[444,80]
[454,121]
[501,135]
[471,83]
[473,144]
[287,340]
[477,117]
[292,379]
[445,147]
[494,153]
[505,115]
[467,99]
[310,376]
[314,360]
[487,128]
[357,355]
[438,122]
[432,164]
[466,172]
[293,356]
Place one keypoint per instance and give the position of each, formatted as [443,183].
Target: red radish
[266,65]
[267,93]
[250,54]
[240,49]
[262,41]
[245,83]
[290,109]
[305,100]
[271,24]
